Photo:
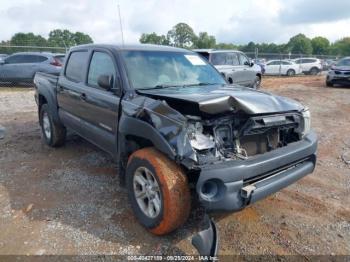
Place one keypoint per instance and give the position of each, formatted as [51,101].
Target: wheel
[257,82]
[53,133]
[291,72]
[329,84]
[158,191]
[314,71]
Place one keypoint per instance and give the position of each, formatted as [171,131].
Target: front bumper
[339,78]
[222,187]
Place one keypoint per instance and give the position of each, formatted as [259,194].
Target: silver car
[235,66]
[339,73]
[21,67]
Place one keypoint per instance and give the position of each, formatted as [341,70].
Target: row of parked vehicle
[234,65]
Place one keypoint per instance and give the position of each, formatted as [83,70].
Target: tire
[314,71]
[257,83]
[54,134]
[329,84]
[230,81]
[291,72]
[173,191]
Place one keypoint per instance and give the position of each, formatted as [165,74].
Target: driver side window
[244,60]
[101,64]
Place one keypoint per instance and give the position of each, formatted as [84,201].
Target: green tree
[226,46]
[181,35]
[65,38]
[204,41]
[28,39]
[81,38]
[300,44]
[153,38]
[341,47]
[320,45]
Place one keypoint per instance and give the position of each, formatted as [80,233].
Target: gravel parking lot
[69,201]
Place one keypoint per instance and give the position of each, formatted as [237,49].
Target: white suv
[309,66]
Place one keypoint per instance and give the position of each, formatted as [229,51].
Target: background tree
[204,41]
[226,46]
[300,44]
[81,38]
[341,47]
[320,45]
[65,38]
[28,39]
[153,38]
[181,35]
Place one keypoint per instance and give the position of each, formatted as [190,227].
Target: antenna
[120,23]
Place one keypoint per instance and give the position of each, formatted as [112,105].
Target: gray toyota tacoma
[175,126]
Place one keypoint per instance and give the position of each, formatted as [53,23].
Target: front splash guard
[207,241]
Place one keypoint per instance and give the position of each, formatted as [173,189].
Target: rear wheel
[314,71]
[53,133]
[257,82]
[291,72]
[158,191]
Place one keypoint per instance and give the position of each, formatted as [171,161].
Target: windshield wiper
[159,87]
[202,84]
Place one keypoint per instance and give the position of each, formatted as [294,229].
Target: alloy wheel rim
[147,192]
[46,125]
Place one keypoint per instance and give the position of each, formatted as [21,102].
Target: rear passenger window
[75,66]
[101,64]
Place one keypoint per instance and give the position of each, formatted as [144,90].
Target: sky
[230,21]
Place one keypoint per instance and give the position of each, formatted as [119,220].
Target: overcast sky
[238,21]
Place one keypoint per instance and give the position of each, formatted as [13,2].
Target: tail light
[55,62]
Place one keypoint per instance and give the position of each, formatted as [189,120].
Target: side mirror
[105,81]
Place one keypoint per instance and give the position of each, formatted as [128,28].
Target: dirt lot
[68,200]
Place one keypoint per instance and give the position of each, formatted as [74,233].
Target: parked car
[172,123]
[235,66]
[309,66]
[282,67]
[3,56]
[339,73]
[21,67]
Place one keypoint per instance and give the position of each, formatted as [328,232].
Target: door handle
[83,96]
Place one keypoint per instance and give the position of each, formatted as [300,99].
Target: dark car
[21,67]
[339,73]
[173,124]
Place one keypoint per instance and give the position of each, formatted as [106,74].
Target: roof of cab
[137,47]
[210,51]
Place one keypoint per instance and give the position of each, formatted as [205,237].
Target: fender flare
[136,127]
[50,97]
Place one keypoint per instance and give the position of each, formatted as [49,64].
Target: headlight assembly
[306,121]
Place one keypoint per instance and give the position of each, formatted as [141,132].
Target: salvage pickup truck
[175,126]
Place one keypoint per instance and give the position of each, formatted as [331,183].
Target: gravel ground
[69,201]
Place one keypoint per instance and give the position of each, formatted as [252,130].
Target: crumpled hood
[216,99]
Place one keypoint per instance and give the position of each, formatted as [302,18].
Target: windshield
[152,69]
[344,62]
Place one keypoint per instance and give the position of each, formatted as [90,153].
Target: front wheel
[291,72]
[329,84]
[158,191]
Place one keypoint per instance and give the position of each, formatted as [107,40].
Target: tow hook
[246,193]
[207,241]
